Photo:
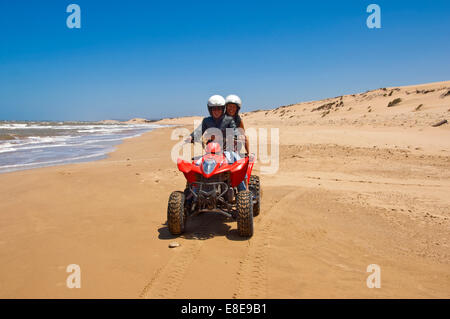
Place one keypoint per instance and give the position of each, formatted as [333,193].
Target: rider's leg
[229,157]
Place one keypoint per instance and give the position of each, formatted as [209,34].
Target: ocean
[26,145]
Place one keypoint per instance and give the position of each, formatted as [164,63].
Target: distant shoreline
[41,144]
[68,122]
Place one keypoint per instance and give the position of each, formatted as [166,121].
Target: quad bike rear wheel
[245,213]
[176,217]
[254,187]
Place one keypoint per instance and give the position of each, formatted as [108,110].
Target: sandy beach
[359,183]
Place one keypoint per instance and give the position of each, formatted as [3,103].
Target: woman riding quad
[233,104]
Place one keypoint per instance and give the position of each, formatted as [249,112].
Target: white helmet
[234,99]
[216,100]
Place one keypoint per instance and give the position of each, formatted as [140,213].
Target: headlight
[208,166]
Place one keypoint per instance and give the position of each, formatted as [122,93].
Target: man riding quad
[218,120]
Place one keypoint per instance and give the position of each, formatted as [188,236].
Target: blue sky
[156,59]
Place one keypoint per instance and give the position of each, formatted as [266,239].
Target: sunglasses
[216,108]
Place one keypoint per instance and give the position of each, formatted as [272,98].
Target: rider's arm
[238,131]
[241,125]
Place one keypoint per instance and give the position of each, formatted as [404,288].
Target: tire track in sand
[252,273]
[167,280]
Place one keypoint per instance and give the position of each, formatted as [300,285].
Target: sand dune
[367,109]
[359,183]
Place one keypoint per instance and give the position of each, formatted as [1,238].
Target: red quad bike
[212,187]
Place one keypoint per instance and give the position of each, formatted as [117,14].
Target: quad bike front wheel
[245,213]
[254,187]
[176,217]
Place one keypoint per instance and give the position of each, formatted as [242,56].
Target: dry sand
[361,184]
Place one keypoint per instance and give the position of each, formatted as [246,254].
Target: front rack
[207,194]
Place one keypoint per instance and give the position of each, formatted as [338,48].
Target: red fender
[188,170]
[238,171]
[250,167]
